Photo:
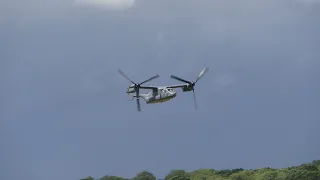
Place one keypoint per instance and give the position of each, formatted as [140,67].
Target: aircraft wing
[148,87]
[156,87]
[177,86]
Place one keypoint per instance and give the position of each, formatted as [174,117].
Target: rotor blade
[138,104]
[138,100]
[179,79]
[125,76]
[195,100]
[154,77]
[201,74]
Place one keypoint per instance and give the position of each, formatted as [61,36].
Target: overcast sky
[64,110]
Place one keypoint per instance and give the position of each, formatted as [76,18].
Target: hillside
[309,171]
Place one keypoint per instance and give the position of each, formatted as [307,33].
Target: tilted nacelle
[187,88]
[131,89]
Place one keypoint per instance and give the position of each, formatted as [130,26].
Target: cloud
[109,4]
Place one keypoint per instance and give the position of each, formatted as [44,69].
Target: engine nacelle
[187,88]
[131,89]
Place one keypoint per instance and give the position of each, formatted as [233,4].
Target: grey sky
[65,114]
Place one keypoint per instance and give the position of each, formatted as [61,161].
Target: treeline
[309,171]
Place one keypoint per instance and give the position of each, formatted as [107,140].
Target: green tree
[202,174]
[88,178]
[269,175]
[316,162]
[308,171]
[144,175]
[177,175]
[242,175]
[112,178]
[228,172]
[304,171]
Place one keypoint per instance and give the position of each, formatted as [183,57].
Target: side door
[163,93]
[157,94]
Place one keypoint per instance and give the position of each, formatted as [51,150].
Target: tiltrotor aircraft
[159,94]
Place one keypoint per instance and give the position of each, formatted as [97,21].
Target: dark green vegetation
[310,171]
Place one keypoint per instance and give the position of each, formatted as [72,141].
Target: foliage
[227,172]
[88,178]
[177,175]
[309,171]
[112,178]
[144,175]
[316,162]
